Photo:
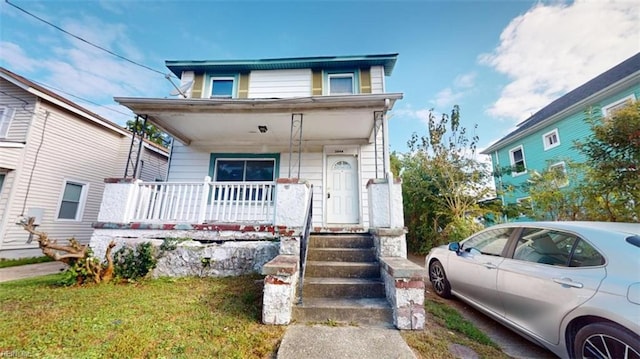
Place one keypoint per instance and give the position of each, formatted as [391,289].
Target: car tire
[606,340]
[438,279]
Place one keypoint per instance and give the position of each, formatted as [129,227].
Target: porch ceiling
[235,121]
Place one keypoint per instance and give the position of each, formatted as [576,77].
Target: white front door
[342,190]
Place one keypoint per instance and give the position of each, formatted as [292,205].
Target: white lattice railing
[202,202]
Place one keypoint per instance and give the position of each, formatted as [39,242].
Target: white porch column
[292,196]
[385,203]
[118,200]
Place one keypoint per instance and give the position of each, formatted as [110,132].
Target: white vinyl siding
[191,164]
[377,79]
[71,148]
[280,83]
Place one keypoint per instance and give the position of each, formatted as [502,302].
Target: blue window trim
[244,156]
[212,76]
[354,72]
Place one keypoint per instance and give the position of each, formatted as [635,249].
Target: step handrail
[304,243]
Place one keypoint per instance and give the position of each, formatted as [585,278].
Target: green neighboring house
[546,139]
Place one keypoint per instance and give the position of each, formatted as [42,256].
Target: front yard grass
[170,318]
[175,318]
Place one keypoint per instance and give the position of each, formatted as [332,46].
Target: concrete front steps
[342,282]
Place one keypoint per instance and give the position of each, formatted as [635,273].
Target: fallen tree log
[75,255]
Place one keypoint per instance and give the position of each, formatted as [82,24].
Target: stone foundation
[194,258]
[280,284]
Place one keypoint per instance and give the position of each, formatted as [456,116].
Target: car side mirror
[454,246]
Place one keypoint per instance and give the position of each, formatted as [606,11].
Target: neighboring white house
[248,123]
[54,158]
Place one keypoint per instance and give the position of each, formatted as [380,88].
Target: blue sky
[500,61]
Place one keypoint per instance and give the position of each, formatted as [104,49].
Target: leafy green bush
[134,263]
[461,228]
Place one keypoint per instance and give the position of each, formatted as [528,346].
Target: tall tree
[612,178]
[150,131]
[442,183]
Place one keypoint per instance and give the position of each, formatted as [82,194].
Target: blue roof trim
[599,83]
[388,61]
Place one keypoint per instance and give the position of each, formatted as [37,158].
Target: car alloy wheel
[606,341]
[439,280]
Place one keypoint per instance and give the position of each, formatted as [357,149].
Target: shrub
[134,263]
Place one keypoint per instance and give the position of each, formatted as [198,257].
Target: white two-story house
[245,124]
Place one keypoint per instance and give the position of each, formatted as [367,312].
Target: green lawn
[164,318]
[174,318]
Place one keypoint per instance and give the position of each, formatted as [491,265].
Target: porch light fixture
[262,129]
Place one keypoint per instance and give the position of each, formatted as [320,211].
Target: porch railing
[202,202]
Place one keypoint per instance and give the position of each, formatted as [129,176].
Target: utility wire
[80,98]
[89,43]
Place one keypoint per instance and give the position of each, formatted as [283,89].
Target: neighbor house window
[6,115]
[74,195]
[518,166]
[560,174]
[341,84]
[222,87]
[551,139]
[611,108]
[2,175]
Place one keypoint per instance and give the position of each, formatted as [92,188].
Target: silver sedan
[572,287]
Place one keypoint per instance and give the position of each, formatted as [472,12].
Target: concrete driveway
[511,344]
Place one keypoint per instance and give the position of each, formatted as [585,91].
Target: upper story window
[341,84]
[6,115]
[611,108]
[518,165]
[222,87]
[551,139]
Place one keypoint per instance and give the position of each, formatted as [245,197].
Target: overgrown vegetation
[445,326]
[5,263]
[442,183]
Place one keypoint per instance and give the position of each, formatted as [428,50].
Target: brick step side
[343,288]
[361,311]
[342,254]
[342,269]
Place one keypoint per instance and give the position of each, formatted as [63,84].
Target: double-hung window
[74,195]
[222,87]
[6,114]
[560,178]
[551,139]
[341,84]
[518,166]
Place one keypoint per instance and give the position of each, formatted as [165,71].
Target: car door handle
[489,265]
[568,282]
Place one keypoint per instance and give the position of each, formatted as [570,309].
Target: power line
[80,98]
[90,43]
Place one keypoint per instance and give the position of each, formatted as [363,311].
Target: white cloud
[15,58]
[554,48]
[450,96]
[87,72]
